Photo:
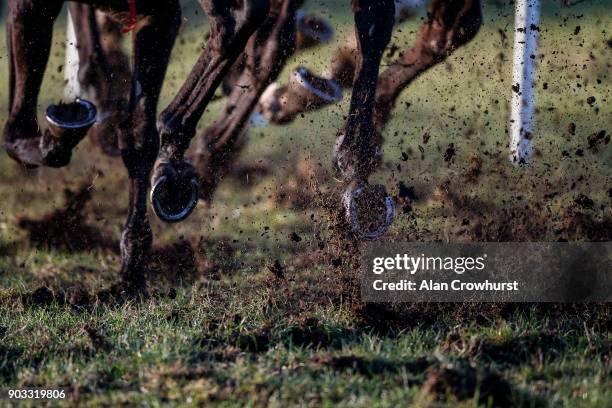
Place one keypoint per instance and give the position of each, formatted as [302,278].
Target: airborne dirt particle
[584,201]
[406,192]
[450,152]
[277,269]
[597,140]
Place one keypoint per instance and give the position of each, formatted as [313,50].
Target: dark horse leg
[31,23]
[138,141]
[174,192]
[104,74]
[264,57]
[450,24]
[29,30]
[357,149]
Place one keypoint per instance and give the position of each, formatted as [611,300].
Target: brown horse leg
[232,23]
[138,139]
[104,72]
[29,23]
[450,25]
[357,149]
[310,31]
[265,56]
[281,105]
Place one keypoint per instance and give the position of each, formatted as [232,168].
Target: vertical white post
[71,66]
[526,30]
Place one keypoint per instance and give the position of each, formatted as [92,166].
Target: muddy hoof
[312,30]
[174,194]
[369,210]
[68,124]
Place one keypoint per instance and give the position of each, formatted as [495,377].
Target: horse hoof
[174,194]
[325,89]
[369,210]
[312,30]
[69,122]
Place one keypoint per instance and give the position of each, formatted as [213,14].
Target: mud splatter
[299,190]
[66,228]
[276,269]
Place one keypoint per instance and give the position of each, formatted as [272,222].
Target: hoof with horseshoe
[174,191]
[68,124]
[369,210]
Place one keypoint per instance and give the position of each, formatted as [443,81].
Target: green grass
[235,335]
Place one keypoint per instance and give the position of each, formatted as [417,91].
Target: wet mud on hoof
[67,228]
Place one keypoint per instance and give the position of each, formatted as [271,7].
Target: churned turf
[254,300]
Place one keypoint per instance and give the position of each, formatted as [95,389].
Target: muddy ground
[255,299]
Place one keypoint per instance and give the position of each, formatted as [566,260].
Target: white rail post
[71,66]
[526,33]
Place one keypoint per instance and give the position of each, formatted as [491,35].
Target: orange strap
[133,17]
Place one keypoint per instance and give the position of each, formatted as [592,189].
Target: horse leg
[138,139]
[265,55]
[357,149]
[29,33]
[232,23]
[450,25]
[306,91]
